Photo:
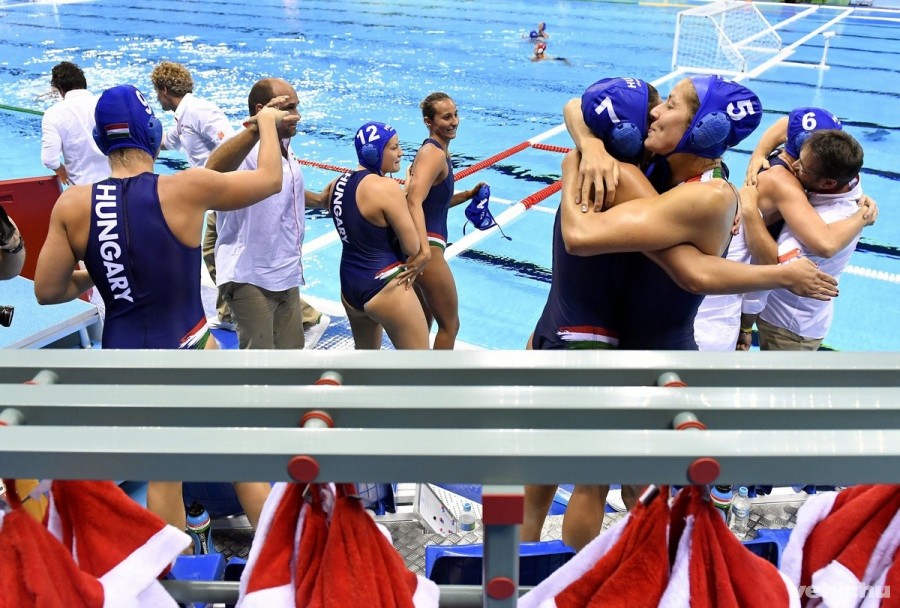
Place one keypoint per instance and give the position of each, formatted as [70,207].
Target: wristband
[746,330]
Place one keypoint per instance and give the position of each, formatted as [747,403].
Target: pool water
[357,61]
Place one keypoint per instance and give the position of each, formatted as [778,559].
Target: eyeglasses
[802,169]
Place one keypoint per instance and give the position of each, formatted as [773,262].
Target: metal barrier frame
[502,419]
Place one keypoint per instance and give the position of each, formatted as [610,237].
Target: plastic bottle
[721,497]
[467,519]
[199,527]
[740,513]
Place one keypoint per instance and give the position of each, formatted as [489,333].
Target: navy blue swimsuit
[147,277]
[437,204]
[371,256]
[583,308]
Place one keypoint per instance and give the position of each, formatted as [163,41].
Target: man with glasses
[819,196]
[67,130]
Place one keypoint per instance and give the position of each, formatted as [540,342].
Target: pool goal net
[728,37]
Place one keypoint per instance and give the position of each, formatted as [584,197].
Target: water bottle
[740,513]
[467,519]
[198,526]
[721,497]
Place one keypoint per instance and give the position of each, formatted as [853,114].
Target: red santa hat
[116,540]
[843,543]
[102,550]
[299,559]
[879,594]
[711,568]
[604,572]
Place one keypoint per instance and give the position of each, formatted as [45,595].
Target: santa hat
[712,568]
[116,540]
[298,559]
[605,571]
[35,569]
[844,542]
[879,594]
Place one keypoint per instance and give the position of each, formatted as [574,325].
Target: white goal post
[722,37]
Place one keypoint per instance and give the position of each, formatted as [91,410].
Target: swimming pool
[358,61]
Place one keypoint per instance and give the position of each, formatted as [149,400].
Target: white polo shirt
[200,126]
[261,244]
[67,129]
[807,317]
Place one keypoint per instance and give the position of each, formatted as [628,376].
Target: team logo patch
[118,130]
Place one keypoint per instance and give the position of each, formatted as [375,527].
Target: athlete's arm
[763,248]
[818,238]
[699,273]
[319,200]
[56,280]
[396,214]
[465,195]
[205,189]
[426,168]
[771,139]
[597,171]
[691,213]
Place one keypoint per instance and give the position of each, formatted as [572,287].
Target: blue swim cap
[615,110]
[728,113]
[125,120]
[802,122]
[370,140]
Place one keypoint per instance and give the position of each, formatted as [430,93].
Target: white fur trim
[542,595]
[815,509]
[874,597]
[273,597]
[427,593]
[883,553]
[793,594]
[262,530]
[141,568]
[837,586]
[678,590]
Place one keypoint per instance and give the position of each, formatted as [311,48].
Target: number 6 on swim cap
[615,110]
[728,113]
[370,140]
[802,122]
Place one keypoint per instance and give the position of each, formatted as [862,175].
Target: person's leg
[164,498]
[254,313]
[537,504]
[288,320]
[366,332]
[209,258]
[583,519]
[310,314]
[398,310]
[439,290]
[630,495]
[252,496]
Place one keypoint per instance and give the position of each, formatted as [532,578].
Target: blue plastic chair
[461,564]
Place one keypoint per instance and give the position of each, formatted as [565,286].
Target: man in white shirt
[200,126]
[67,130]
[828,169]
[258,249]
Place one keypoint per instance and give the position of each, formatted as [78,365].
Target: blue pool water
[358,61]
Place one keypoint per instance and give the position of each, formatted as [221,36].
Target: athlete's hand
[756,164]
[415,264]
[598,173]
[744,341]
[805,279]
[871,210]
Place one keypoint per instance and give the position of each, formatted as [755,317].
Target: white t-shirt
[807,317]
[67,129]
[261,244]
[200,126]
[718,320]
